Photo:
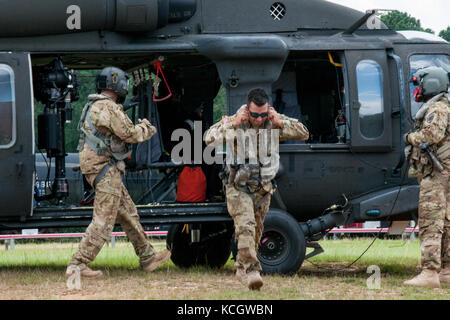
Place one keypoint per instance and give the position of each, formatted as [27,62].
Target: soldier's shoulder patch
[431,117]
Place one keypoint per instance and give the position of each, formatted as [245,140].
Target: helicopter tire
[212,251]
[283,247]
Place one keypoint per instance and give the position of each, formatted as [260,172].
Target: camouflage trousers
[434,221]
[248,225]
[112,202]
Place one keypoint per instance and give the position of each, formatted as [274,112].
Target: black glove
[406,140]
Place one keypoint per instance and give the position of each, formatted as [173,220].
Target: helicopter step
[151,214]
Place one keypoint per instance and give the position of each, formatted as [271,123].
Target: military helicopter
[341,72]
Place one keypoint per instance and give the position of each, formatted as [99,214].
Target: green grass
[394,255]
[36,271]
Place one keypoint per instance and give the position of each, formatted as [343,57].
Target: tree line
[398,21]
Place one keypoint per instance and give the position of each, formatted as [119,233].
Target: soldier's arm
[292,129]
[216,135]
[124,129]
[434,127]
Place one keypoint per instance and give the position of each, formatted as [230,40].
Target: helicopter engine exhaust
[27,18]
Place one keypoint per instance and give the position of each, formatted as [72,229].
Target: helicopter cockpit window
[370,96]
[6,105]
[424,61]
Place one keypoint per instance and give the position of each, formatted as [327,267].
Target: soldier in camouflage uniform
[105,119]
[432,128]
[248,198]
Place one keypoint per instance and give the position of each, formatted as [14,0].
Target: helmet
[113,79]
[430,81]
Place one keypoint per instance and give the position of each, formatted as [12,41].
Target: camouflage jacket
[109,118]
[292,129]
[434,129]
[223,131]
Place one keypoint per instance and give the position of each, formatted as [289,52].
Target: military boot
[427,278]
[444,275]
[158,259]
[84,270]
[254,280]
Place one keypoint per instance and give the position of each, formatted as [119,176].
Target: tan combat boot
[427,278]
[158,259]
[444,275]
[254,280]
[84,270]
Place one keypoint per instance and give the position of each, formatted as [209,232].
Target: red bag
[191,185]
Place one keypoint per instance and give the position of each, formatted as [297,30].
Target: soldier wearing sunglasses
[248,187]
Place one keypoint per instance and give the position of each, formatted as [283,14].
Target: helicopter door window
[417,62]
[284,97]
[6,106]
[370,96]
[310,89]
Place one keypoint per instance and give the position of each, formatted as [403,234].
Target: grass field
[36,271]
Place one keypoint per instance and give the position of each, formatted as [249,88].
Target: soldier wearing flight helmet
[106,133]
[428,149]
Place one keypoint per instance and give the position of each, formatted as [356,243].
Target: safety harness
[420,161]
[102,145]
[244,176]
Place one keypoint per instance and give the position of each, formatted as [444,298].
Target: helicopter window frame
[11,103]
[415,106]
[370,100]
[312,104]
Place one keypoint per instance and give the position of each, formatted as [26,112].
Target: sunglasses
[256,115]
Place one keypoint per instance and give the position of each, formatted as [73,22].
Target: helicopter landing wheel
[282,248]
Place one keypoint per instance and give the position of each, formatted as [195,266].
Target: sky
[433,14]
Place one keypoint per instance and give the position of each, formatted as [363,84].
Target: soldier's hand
[144,121]
[243,115]
[274,117]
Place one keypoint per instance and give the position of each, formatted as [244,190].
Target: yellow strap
[332,61]
[185,228]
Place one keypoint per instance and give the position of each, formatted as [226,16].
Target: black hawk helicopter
[341,72]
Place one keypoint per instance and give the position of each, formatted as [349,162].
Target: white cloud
[433,14]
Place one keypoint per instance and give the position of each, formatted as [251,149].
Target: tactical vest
[421,164]
[243,175]
[102,145]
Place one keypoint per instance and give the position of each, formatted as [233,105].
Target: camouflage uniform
[248,207]
[112,200]
[434,213]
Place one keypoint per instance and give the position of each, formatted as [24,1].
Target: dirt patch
[38,272]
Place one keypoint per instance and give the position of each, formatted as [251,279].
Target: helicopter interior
[310,88]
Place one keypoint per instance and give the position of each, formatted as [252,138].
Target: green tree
[445,34]
[220,105]
[397,21]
